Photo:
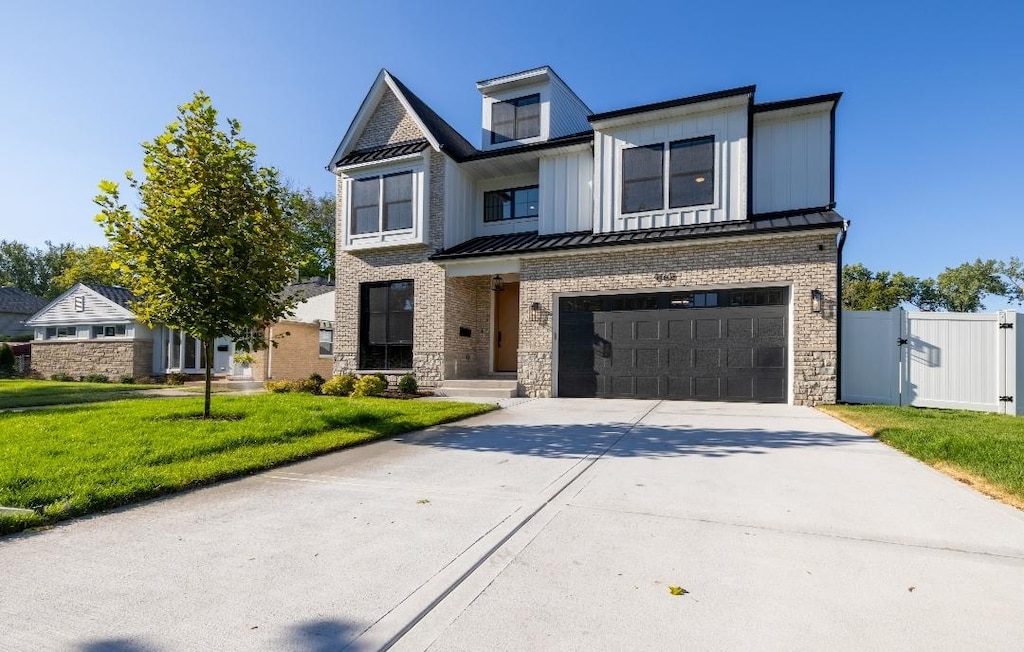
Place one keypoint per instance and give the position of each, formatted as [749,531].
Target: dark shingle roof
[19,301]
[308,289]
[385,152]
[121,296]
[451,141]
[518,243]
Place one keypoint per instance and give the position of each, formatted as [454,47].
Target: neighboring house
[305,341]
[15,307]
[91,329]
[684,249]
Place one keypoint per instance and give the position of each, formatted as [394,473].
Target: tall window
[515,119]
[690,174]
[383,203]
[385,325]
[326,341]
[511,204]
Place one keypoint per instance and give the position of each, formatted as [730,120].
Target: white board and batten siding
[947,360]
[459,191]
[792,158]
[566,193]
[568,113]
[728,126]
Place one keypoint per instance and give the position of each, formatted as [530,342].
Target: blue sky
[929,135]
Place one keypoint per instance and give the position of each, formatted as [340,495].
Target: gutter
[839,309]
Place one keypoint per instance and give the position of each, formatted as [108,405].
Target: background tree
[89,265]
[867,290]
[1013,271]
[964,288]
[32,269]
[313,218]
[213,246]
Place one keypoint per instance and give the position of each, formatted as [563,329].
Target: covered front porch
[177,352]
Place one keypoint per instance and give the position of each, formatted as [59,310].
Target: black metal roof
[530,242]
[800,101]
[581,138]
[668,104]
[121,296]
[451,141]
[384,152]
[20,302]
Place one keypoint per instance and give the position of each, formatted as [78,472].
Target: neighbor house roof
[309,288]
[121,296]
[18,301]
[531,242]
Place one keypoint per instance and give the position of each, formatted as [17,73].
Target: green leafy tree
[313,218]
[867,290]
[212,246]
[1013,271]
[32,269]
[964,288]
[90,265]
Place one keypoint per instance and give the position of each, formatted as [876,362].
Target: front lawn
[29,393]
[981,449]
[71,461]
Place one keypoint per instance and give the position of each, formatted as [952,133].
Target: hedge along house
[685,249]
[90,329]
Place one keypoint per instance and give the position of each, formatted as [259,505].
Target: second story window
[690,174]
[383,203]
[511,204]
[515,119]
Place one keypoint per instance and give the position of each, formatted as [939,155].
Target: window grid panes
[110,331]
[386,325]
[383,203]
[511,204]
[691,172]
[643,178]
[365,205]
[515,119]
[326,341]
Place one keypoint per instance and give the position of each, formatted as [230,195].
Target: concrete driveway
[551,525]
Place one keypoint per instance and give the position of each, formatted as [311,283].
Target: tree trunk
[208,345]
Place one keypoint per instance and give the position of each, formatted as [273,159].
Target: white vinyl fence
[932,359]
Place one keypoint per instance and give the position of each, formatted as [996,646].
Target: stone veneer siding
[804,261]
[77,358]
[296,356]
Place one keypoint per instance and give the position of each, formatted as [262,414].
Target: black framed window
[643,178]
[515,119]
[511,204]
[691,170]
[383,203]
[385,325]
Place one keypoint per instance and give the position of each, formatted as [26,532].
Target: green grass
[71,461]
[982,449]
[29,393]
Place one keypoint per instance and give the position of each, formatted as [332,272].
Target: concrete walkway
[550,525]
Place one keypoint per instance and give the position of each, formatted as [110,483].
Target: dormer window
[515,119]
[690,173]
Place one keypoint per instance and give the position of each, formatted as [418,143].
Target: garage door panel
[658,350]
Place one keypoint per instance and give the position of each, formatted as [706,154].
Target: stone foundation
[113,359]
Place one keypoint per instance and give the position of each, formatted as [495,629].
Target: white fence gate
[946,360]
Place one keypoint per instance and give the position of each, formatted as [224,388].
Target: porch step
[488,388]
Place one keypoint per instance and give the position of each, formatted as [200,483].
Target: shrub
[176,378]
[62,377]
[407,384]
[317,381]
[383,378]
[96,378]
[126,380]
[278,386]
[6,360]
[369,386]
[339,385]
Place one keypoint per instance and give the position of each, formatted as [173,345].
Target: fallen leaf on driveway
[677,590]
[423,501]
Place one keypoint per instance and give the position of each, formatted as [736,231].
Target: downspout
[839,310]
[270,354]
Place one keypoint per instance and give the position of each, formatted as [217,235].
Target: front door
[506,328]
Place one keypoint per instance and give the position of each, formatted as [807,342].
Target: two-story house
[686,249]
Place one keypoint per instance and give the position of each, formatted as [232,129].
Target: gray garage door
[717,345]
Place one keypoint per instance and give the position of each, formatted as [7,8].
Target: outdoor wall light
[816,300]
[497,284]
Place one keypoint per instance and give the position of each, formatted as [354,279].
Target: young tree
[212,246]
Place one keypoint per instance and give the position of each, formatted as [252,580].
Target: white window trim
[544,90]
[418,234]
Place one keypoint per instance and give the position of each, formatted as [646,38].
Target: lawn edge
[958,473]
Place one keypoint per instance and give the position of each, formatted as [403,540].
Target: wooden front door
[506,328]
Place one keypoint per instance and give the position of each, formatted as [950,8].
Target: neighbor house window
[690,174]
[515,119]
[385,325]
[110,331]
[511,204]
[58,332]
[326,341]
[383,203]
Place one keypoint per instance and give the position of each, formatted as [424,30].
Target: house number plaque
[662,277]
